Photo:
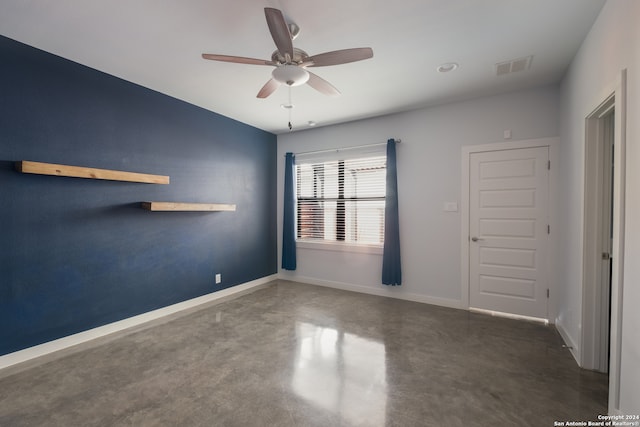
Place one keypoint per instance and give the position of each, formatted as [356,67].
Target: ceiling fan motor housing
[299,57]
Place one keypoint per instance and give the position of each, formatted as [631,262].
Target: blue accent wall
[80,253]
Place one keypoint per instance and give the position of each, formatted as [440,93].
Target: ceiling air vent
[513,66]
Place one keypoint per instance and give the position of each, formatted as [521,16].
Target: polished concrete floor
[299,355]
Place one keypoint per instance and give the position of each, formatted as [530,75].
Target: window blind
[341,200]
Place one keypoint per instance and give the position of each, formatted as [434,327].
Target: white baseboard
[165,313]
[509,315]
[571,345]
[383,291]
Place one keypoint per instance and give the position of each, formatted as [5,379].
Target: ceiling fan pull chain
[290,108]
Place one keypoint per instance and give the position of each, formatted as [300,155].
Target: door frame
[589,353]
[467,151]
[595,192]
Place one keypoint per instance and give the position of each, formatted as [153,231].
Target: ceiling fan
[292,63]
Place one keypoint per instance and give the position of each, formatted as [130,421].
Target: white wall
[612,45]
[429,170]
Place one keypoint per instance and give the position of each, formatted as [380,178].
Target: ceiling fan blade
[321,85]
[237,59]
[279,31]
[268,88]
[340,57]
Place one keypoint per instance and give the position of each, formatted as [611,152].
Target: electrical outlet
[218,278]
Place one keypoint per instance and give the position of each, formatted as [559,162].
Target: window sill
[339,247]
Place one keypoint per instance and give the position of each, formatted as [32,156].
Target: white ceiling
[158,44]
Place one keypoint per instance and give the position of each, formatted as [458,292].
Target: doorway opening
[598,235]
[603,237]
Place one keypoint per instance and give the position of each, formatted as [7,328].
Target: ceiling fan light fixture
[291,75]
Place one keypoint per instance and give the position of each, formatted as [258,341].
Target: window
[341,200]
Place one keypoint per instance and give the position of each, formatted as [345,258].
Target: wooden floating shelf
[26,166]
[187,207]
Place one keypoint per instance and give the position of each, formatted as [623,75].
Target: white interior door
[508,231]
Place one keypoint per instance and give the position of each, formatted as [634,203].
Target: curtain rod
[345,148]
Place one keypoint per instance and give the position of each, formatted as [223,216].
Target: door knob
[475,239]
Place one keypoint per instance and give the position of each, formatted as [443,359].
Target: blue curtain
[391,270]
[288,221]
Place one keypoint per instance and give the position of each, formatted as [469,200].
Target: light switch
[451,207]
